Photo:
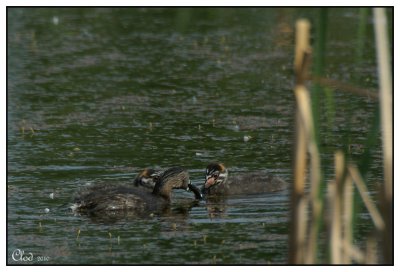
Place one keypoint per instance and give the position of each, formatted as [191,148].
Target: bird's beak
[210,182]
[196,191]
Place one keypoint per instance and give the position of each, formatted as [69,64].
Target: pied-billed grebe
[106,198]
[148,178]
[218,183]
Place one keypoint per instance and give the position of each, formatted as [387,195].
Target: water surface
[96,95]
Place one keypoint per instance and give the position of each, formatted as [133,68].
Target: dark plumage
[217,182]
[106,198]
[148,178]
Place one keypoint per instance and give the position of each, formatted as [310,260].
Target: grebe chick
[147,178]
[218,183]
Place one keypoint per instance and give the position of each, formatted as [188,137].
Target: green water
[95,95]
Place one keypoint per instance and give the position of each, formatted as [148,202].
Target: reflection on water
[96,95]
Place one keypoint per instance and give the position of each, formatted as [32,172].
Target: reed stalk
[336,200]
[299,205]
[307,207]
[348,213]
[371,252]
[304,106]
[386,104]
[369,204]
[304,230]
[311,113]
[352,252]
[385,96]
[340,197]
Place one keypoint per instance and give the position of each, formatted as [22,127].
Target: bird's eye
[215,175]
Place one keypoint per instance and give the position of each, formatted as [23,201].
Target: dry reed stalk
[385,95]
[385,99]
[353,252]
[302,50]
[336,200]
[347,220]
[299,203]
[333,236]
[369,204]
[304,110]
[300,156]
[371,252]
[304,251]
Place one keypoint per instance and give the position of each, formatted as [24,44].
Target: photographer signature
[20,255]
